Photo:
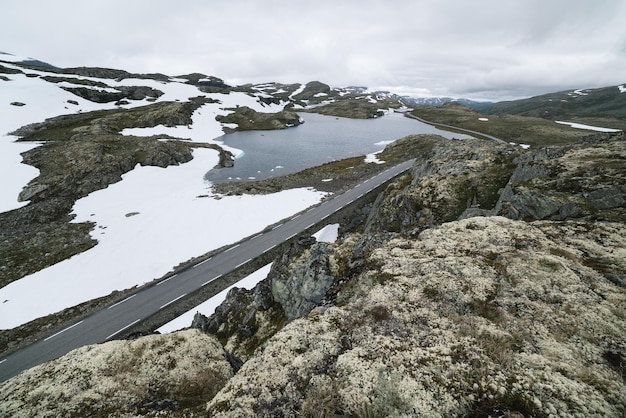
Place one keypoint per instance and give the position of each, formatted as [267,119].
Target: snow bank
[208,308]
[588,127]
[372,158]
[327,234]
[151,221]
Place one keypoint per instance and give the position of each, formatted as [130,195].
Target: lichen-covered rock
[448,178]
[586,179]
[474,316]
[244,320]
[174,371]
[296,283]
[458,179]
[302,287]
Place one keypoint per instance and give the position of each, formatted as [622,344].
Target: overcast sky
[481,49]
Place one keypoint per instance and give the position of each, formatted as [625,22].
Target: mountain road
[112,321]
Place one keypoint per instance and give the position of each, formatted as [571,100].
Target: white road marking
[313,224]
[296,216]
[325,216]
[203,261]
[63,330]
[293,235]
[209,281]
[232,248]
[241,264]
[3,361]
[163,281]
[277,226]
[270,248]
[256,236]
[122,329]
[122,301]
[172,301]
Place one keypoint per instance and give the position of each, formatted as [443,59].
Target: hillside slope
[570,104]
[487,280]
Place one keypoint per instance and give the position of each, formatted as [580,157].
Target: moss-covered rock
[175,372]
[473,317]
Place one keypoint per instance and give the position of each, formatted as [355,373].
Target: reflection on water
[319,140]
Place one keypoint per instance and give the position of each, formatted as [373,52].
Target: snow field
[152,220]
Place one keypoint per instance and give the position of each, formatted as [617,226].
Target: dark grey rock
[303,287]
[606,198]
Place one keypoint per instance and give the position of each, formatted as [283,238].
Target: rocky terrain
[79,154]
[490,280]
[246,119]
[487,281]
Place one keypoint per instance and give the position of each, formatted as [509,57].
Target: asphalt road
[106,324]
[456,128]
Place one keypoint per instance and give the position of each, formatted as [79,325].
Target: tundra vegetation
[488,280]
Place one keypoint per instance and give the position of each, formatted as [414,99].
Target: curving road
[114,320]
[456,128]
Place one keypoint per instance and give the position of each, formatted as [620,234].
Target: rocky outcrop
[82,153]
[299,283]
[245,320]
[122,92]
[457,179]
[583,180]
[174,372]
[312,90]
[296,283]
[472,318]
[448,178]
[248,119]
[358,107]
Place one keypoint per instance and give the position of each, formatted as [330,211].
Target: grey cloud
[490,48]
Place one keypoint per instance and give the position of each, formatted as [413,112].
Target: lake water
[319,140]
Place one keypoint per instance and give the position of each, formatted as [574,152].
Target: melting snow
[588,127]
[208,308]
[328,234]
[170,205]
[372,158]
[173,223]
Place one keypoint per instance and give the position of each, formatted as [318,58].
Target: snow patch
[372,158]
[622,88]
[207,308]
[177,219]
[298,91]
[328,234]
[588,127]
